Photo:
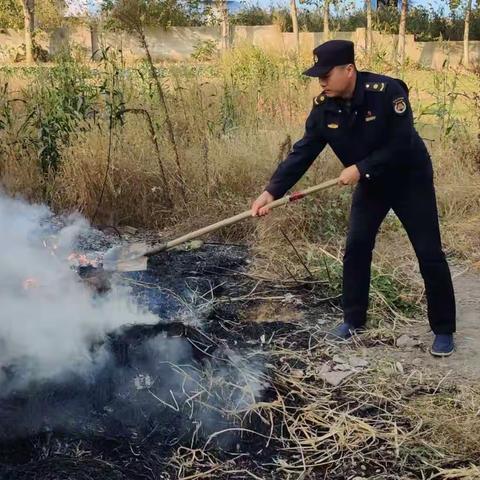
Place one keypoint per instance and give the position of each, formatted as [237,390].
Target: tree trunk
[222,4]
[326,16]
[29,20]
[293,13]
[94,40]
[368,39]
[466,35]
[401,33]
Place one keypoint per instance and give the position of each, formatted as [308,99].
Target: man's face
[338,81]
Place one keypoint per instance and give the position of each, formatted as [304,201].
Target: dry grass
[232,125]
[385,421]
[457,419]
[458,186]
[134,193]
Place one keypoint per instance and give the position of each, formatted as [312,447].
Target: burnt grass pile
[212,390]
[153,394]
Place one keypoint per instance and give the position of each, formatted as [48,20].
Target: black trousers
[411,195]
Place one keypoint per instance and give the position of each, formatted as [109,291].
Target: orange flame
[81,260]
[29,283]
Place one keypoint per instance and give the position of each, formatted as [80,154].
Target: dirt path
[465,362]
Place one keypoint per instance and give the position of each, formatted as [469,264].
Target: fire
[29,283]
[81,260]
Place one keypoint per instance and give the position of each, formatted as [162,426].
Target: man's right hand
[258,206]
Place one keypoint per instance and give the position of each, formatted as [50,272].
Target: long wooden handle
[241,216]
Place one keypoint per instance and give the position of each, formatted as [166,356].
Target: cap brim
[317,71]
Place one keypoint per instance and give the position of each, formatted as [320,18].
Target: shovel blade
[128,258]
[135,265]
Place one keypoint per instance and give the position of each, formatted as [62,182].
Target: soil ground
[232,310]
[464,364]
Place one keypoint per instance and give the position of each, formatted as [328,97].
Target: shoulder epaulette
[375,86]
[319,99]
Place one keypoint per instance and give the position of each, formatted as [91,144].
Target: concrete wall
[78,36]
[309,40]
[9,42]
[175,43]
[178,43]
[265,36]
[270,37]
[435,54]
[12,40]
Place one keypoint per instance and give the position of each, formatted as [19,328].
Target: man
[367,121]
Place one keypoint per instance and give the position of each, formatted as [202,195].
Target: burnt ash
[102,427]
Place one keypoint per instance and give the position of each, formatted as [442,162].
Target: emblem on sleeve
[399,106]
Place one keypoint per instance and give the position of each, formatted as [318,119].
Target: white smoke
[53,328]
[48,317]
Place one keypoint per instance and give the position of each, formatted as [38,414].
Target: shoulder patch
[375,86]
[400,105]
[403,85]
[319,99]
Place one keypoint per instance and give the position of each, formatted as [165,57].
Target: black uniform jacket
[374,131]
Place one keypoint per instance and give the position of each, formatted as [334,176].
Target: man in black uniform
[367,121]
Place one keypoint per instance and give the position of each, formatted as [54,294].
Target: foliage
[426,23]
[205,51]
[11,14]
[60,99]
[48,15]
[445,93]
[123,14]
[251,15]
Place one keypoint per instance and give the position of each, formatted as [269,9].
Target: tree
[28,14]
[222,6]
[466,34]
[49,14]
[368,32]
[29,21]
[294,15]
[387,3]
[401,33]
[159,13]
[10,14]
[251,15]
[326,18]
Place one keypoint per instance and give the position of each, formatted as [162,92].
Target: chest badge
[332,125]
[370,116]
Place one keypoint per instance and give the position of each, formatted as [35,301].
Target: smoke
[49,319]
[68,354]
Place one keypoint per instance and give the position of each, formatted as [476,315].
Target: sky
[79,7]
[76,7]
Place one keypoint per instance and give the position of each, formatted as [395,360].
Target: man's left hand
[349,176]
